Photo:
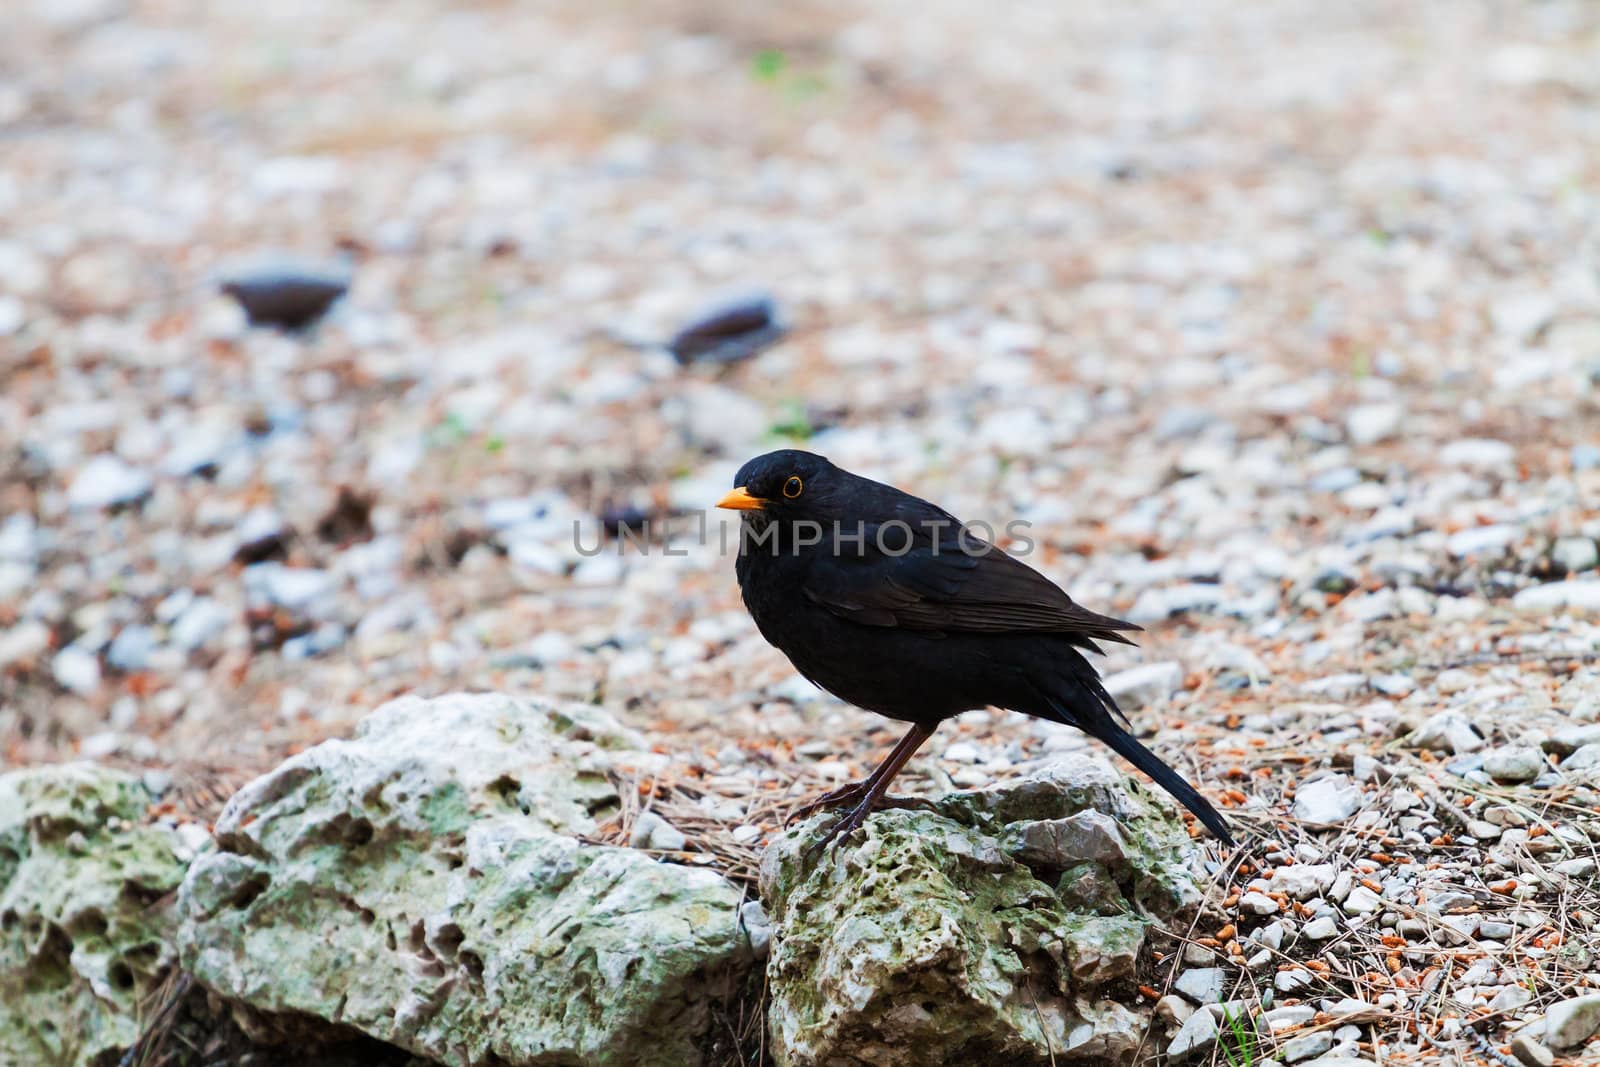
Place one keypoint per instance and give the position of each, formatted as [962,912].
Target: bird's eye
[791,488]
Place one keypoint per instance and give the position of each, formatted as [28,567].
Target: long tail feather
[1128,747]
[1096,714]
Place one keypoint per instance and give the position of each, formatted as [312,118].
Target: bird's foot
[853,793]
[852,820]
[849,793]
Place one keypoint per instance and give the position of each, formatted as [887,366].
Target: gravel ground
[1280,325]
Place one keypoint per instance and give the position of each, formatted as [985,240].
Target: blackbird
[889,603]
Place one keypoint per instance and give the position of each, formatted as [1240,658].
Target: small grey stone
[1568,739]
[1482,540]
[1173,1010]
[1572,1022]
[1459,929]
[1365,768]
[1575,553]
[1532,1054]
[1446,899]
[325,638]
[1477,452]
[1254,903]
[1320,929]
[1305,1046]
[259,527]
[1351,1008]
[1394,685]
[1361,901]
[1291,981]
[12,315]
[1195,1038]
[757,926]
[76,669]
[1581,596]
[652,831]
[1287,1018]
[1327,801]
[1342,884]
[1447,731]
[1577,867]
[1368,424]
[1585,758]
[285,292]
[667,838]
[1270,935]
[131,649]
[1336,686]
[1513,764]
[19,538]
[202,620]
[292,588]
[1303,880]
[24,641]
[1201,985]
[1146,684]
[1511,998]
[106,481]
[1155,604]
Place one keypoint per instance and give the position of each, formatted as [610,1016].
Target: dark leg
[854,791]
[870,792]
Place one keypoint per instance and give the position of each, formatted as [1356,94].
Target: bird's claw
[847,824]
[852,820]
[853,792]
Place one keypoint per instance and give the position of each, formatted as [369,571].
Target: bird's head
[786,485]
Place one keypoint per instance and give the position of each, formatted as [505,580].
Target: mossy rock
[1005,925]
[424,883]
[86,918]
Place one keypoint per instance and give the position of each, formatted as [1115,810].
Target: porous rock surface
[422,882]
[85,916]
[1003,925]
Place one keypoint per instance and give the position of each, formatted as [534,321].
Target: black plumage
[885,601]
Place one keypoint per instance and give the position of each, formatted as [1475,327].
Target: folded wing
[940,586]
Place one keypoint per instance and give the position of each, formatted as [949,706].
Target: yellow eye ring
[792,487]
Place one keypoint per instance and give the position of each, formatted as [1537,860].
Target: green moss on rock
[941,936]
[85,921]
[423,883]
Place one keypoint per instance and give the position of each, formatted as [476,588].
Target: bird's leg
[854,791]
[875,786]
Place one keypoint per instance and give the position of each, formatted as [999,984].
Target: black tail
[1128,747]
[1096,714]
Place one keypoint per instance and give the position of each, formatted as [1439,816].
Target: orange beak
[741,500]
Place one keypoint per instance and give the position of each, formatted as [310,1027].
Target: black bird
[887,602]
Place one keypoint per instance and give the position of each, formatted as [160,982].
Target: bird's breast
[898,673]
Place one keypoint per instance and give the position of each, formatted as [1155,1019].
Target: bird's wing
[937,586]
